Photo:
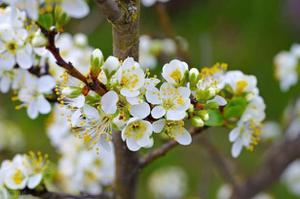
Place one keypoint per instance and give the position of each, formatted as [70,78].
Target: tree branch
[93,84]
[44,194]
[110,9]
[165,148]
[277,159]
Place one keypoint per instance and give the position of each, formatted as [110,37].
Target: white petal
[175,115]
[236,148]
[34,180]
[44,106]
[32,8]
[24,59]
[75,117]
[183,137]
[128,93]
[153,96]
[140,111]
[233,135]
[158,125]
[220,100]
[32,110]
[109,102]
[184,91]
[132,144]
[158,112]
[91,112]
[46,83]
[78,102]
[75,8]
[7,61]
[5,84]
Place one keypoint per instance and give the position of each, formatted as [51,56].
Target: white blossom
[175,72]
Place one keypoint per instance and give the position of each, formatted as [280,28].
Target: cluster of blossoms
[287,67]
[160,186]
[150,50]
[24,171]
[79,170]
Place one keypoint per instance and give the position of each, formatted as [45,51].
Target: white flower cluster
[247,132]
[23,171]
[149,3]
[150,50]
[79,170]
[291,177]
[74,8]
[287,67]
[168,183]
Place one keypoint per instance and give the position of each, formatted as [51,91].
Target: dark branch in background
[93,84]
[165,148]
[224,165]
[166,24]
[44,194]
[276,161]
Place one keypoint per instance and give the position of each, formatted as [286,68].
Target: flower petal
[175,115]
[128,93]
[140,111]
[109,102]
[132,144]
[32,110]
[34,180]
[7,61]
[183,137]
[153,96]
[158,125]
[46,83]
[44,106]
[236,148]
[158,112]
[24,58]
[5,83]
[75,8]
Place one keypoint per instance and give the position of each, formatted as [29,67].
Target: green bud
[96,62]
[197,121]
[61,18]
[111,65]
[203,114]
[194,76]
[191,108]
[71,91]
[39,40]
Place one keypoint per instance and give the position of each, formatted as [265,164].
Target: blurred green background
[244,34]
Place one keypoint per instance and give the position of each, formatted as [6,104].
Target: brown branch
[166,24]
[276,161]
[44,194]
[93,84]
[165,148]
[225,167]
[110,9]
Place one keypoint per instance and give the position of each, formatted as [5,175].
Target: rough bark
[125,44]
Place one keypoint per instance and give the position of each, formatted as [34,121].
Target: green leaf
[235,107]
[215,118]
[46,20]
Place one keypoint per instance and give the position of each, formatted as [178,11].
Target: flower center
[18,177]
[168,103]
[136,129]
[176,75]
[241,85]
[12,47]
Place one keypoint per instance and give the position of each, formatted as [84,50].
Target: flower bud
[71,91]
[111,65]
[203,114]
[39,40]
[96,62]
[197,121]
[194,76]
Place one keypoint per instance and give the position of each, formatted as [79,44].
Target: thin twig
[225,167]
[164,149]
[93,84]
